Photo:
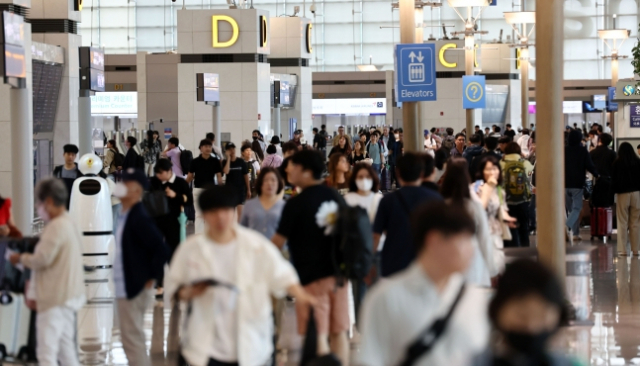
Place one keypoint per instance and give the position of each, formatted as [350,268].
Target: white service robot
[90,209]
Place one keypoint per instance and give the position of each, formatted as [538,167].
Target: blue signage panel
[473,92]
[415,72]
[611,106]
[634,115]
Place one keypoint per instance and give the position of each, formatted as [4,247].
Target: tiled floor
[610,337]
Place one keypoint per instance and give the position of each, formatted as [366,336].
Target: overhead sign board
[473,92]
[415,72]
[627,90]
[114,103]
[349,106]
[599,101]
[634,116]
[611,96]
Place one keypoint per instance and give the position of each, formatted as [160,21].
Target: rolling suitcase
[601,223]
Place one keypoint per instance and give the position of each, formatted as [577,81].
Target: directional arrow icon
[420,58]
[412,56]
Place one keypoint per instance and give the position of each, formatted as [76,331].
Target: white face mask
[364,184]
[44,215]
[120,190]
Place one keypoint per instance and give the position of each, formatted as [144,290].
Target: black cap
[136,175]
[218,197]
[230,145]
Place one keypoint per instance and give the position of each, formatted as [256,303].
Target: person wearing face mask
[399,313]
[58,276]
[139,262]
[363,192]
[527,309]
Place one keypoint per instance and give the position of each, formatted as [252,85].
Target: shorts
[241,195]
[331,312]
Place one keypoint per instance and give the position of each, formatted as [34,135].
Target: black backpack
[118,158]
[353,243]
[186,157]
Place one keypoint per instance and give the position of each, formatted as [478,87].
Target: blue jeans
[376,168]
[573,199]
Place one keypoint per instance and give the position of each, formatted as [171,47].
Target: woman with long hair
[150,150]
[358,154]
[625,176]
[489,188]
[339,173]
[342,148]
[109,164]
[263,212]
[456,190]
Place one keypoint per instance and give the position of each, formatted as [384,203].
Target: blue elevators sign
[473,92]
[415,72]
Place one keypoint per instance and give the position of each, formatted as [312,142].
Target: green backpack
[516,182]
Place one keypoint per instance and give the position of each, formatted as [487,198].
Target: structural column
[412,138]
[524,86]
[549,135]
[22,159]
[85,127]
[468,70]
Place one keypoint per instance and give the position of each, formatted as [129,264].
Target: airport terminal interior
[320,182]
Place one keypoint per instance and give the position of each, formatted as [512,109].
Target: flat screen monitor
[91,58]
[97,80]
[572,107]
[12,29]
[285,98]
[15,62]
[599,101]
[207,80]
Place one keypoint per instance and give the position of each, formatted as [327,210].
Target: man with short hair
[503,142]
[459,147]
[487,131]
[139,262]
[297,135]
[437,138]
[237,174]
[311,248]
[131,158]
[68,172]
[393,214]
[58,277]
[474,150]
[178,195]
[203,171]
[399,312]
[429,175]
[602,156]
[496,132]
[525,143]
[173,153]
[252,165]
[320,141]
[476,129]
[510,132]
[336,139]
[228,275]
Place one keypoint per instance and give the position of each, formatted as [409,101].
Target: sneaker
[623,254]
[577,238]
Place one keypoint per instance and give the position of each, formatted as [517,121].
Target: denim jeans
[573,198]
[376,168]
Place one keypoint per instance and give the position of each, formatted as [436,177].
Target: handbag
[506,230]
[430,336]
[156,203]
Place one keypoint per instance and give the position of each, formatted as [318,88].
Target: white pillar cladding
[291,52]
[240,58]
[48,18]
[7,145]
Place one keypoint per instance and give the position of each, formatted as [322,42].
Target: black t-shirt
[393,218]
[237,171]
[204,170]
[320,140]
[310,248]
[510,133]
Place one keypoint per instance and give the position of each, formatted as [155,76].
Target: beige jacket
[57,261]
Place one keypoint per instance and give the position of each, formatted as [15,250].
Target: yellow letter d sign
[216,35]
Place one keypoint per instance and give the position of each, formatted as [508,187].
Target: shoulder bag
[430,336]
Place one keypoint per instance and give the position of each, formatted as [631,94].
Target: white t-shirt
[225,304]
[369,203]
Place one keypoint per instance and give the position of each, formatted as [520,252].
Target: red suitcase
[601,222]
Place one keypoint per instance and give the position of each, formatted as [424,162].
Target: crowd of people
[265,225]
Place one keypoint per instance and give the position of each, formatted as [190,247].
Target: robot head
[90,164]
